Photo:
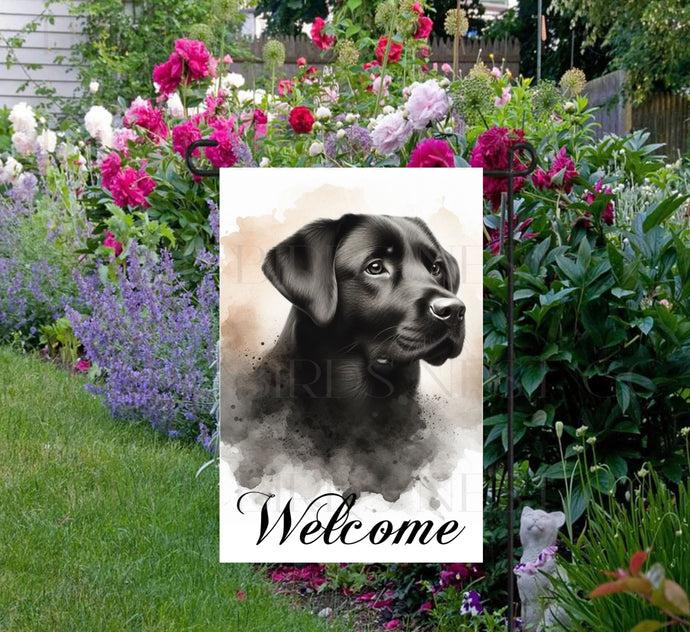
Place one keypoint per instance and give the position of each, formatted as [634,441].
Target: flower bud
[340,134]
[94,87]
[559,429]
[315,148]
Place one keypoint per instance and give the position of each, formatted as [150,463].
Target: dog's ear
[452,279]
[302,268]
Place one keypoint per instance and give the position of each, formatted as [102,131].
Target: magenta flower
[491,153]
[432,153]
[111,242]
[142,114]
[424,27]
[197,59]
[559,176]
[130,187]
[168,75]
[83,365]
[110,167]
[225,153]
[392,624]
[608,214]
[183,135]
[318,37]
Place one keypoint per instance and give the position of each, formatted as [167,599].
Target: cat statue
[538,533]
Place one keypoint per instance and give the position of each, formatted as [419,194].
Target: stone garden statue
[538,533]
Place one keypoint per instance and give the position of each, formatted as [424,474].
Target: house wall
[40,47]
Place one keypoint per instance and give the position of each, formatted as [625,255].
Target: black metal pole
[511,174]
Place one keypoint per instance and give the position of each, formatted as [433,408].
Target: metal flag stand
[508,220]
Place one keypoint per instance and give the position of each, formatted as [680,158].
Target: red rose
[432,153]
[394,53]
[301,119]
[318,37]
[424,26]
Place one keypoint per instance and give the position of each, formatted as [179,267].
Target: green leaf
[532,376]
[662,211]
[623,396]
[648,625]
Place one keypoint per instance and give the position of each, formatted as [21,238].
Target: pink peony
[446,67]
[559,176]
[428,102]
[417,8]
[111,242]
[121,136]
[284,87]
[392,624]
[224,154]
[130,187]
[142,114]
[391,133]
[168,75]
[301,61]
[608,214]
[318,37]
[491,154]
[432,153]
[83,365]
[196,58]
[184,135]
[424,26]
[110,167]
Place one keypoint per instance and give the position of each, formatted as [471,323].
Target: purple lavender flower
[154,342]
[24,188]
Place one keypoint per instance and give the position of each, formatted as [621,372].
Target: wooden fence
[504,51]
[665,116]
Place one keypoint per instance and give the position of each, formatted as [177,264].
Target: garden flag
[351,365]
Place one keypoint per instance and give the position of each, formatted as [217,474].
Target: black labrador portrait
[372,297]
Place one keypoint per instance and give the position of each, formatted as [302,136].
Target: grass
[104,526]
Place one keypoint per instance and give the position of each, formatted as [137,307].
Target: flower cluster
[153,344]
[559,176]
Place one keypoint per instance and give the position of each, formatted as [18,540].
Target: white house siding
[40,47]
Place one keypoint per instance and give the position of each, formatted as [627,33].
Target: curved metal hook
[512,150]
[213,173]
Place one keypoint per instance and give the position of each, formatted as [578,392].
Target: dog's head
[382,283]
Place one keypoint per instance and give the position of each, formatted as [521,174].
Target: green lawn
[105,527]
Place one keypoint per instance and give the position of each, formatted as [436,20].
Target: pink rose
[432,153]
[111,242]
[184,135]
[301,61]
[318,37]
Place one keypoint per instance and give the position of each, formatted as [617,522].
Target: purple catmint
[154,341]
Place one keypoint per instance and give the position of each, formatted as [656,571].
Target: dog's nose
[447,308]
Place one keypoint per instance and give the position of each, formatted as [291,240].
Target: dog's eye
[375,267]
[436,269]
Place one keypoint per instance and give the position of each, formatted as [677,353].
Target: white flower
[24,142]
[570,107]
[323,113]
[389,109]
[47,140]
[390,133]
[23,119]
[244,96]
[350,118]
[42,120]
[315,148]
[174,106]
[444,82]
[317,127]
[581,431]
[340,134]
[338,125]
[232,80]
[407,90]
[11,170]
[428,102]
[265,162]
[94,86]
[98,122]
